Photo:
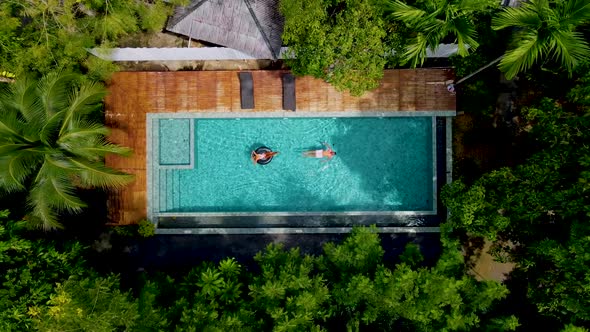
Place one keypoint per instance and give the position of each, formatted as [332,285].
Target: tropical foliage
[536,213]
[349,287]
[543,30]
[90,304]
[48,286]
[50,144]
[433,21]
[339,41]
[40,36]
[30,268]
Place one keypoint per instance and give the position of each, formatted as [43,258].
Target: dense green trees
[339,41]
[349,287]
[50,143]
[90,304]
[29,272]
[40,36]
[537,213]
[544,29]
[349,42]
[47,286]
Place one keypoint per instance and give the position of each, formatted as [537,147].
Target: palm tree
[434,21]
[49,146]
[544,29]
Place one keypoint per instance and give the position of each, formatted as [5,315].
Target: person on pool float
[262,156]
[328,153]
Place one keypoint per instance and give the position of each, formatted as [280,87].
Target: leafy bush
[143,228]
[31,268]
[90,304]
[346,287]
[339,41]
[146,228]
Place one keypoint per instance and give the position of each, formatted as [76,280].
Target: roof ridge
[264,36]
[189,10]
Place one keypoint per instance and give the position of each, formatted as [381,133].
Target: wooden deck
[133,94]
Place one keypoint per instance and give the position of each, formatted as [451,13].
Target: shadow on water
[385,179]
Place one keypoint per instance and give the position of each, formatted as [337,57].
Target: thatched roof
[253,27]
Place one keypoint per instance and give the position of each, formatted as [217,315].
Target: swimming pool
[198,164]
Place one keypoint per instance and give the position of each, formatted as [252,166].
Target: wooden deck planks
[134,94]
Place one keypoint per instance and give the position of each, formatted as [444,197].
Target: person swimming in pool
[327,153]
[262,156]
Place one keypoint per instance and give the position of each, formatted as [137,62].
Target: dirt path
[482,265]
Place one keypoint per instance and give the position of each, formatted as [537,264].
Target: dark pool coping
[289,230]
[168,223]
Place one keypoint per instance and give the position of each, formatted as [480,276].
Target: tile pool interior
[200,166]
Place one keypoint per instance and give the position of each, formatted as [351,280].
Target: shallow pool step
[170,191]
[176,191]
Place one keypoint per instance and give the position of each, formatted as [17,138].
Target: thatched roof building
[253,27]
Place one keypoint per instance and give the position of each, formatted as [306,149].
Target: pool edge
[446,115]
[288,230]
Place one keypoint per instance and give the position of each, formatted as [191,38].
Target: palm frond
[95,174]
[21,110]
[574,12]
[8,147]
[523,56]
[88,140]
[56,187]
[81,101]
[569,48]
[15,167]
[403,12]
[23,99]
[430,25]
[49,131]
[30,130]
[466,34]
[10,127]
[416,50]
[42,215]
[541,6]
[99,149]
[525,16]
[54,90]
[82,131]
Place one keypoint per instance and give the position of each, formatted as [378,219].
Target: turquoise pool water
[175,142]
[382,164]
